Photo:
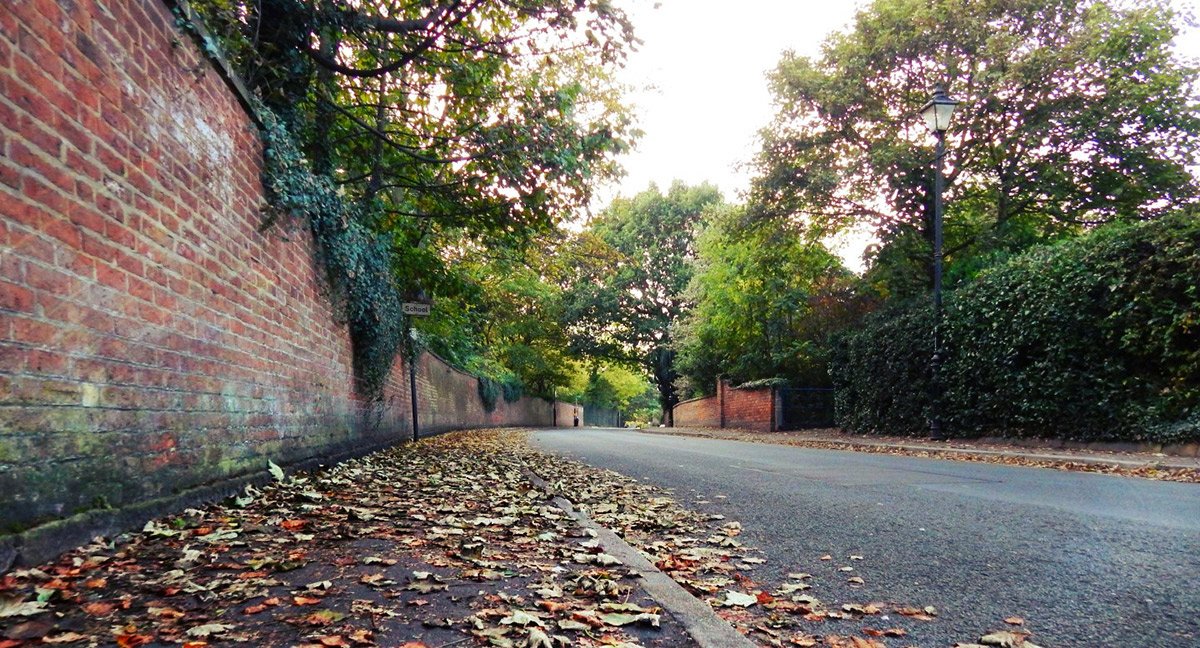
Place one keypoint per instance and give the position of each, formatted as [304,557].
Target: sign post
[413,309]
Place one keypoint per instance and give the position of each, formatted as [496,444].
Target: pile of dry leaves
[436,543]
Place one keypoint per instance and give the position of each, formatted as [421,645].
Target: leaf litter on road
[425,544]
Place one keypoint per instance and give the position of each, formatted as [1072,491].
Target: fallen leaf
[133,640]
[337,641]
[209,629]
[66,637]
[11,607]
[1003,639]
[1015,620]
[538,639]
[323,617]
[731,598]
[620,619]
[522,618]
[97,608]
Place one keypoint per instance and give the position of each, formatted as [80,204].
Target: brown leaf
[553,607]
[66,637]
[305,600]
[292,525]
[1015,620]
[337,641]
[99,608]
[133,640]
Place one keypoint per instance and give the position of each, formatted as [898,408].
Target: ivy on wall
[357,264]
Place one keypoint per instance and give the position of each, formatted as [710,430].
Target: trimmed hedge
[1093,339]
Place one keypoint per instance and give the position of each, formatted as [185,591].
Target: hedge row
[1094,339]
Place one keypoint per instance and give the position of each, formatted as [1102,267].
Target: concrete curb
[697,617]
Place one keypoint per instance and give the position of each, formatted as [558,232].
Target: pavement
[479,538]
[1078,559]
[444,542]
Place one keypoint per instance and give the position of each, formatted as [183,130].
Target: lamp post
[937,113]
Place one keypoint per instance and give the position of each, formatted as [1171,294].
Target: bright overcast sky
[700,89]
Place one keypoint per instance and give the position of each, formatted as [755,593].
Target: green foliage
[435,143]
[624,307]
[608,385]
[489,392]
[766,299]
[1073,113]
[357,263]
[1096,338]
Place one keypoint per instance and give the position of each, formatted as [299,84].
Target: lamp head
[938,111]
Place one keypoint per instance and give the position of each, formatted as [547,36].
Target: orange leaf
[133,640]
[252,574]
[255,609]
[98,608]
[333,640]
[95,583]
[764,598]
[305,600]
[553,607]
[292,525]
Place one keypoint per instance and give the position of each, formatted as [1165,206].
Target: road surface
[1087,560]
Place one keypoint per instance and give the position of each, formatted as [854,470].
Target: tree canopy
[456,136]
[1073,112]
[765,301]
[623,307]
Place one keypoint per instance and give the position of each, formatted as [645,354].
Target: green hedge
[1096,338]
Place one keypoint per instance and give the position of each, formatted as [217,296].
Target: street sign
[415,308]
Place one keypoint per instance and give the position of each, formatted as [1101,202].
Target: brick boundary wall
[698,412]
[754,409]
[156,348]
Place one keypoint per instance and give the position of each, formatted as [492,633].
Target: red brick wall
[448,399]
[153,340]
[731,407]
[154,343]
[752,409]
[698,412]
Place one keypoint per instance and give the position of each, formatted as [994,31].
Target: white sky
[700,89]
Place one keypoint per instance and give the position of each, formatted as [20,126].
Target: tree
[440,132]
[1074,112]
[766,300]
[625,310]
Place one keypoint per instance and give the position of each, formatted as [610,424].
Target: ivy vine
[357,263]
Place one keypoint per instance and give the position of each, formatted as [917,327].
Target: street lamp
[937,115]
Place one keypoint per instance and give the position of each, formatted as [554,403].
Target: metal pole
[935,422]
[412,379]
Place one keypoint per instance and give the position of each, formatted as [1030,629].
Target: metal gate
[805,407]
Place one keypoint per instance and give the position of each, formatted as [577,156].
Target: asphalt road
[1087,560]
